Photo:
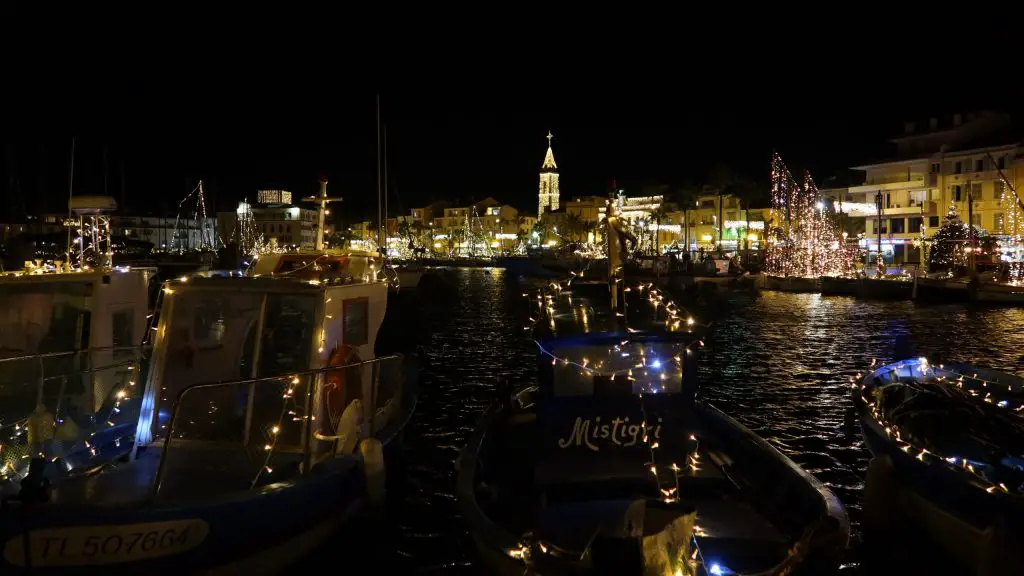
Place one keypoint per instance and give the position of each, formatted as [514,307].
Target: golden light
[752,236]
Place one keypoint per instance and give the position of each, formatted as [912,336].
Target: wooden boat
[790,283]
[942,289]
[998,293]
[839,286]
[608,464]
[900,288]
[255,424]
[945,479]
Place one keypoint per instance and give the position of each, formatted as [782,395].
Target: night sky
[448,138]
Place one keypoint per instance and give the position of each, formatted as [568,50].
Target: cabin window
[39,318]
[356,321]
[121,324]
[287,334]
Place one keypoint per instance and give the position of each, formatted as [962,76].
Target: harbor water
[780,363]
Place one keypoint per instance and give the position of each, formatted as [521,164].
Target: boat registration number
[106,544]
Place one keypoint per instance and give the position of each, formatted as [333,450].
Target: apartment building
[960,164]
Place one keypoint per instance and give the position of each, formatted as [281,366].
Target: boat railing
[256,434]
[56,404]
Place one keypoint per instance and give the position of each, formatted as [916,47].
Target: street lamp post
[878,224]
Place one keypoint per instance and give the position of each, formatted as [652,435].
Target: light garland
[952,462]
[206,237]
[1012,248]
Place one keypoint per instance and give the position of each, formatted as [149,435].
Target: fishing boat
[608,463]
[945,480]
[790,283]
[255,424]
[999,293]
[942,288]
[839,286]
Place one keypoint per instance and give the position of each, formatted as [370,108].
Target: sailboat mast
[385,188]
[71,187]
[379,206]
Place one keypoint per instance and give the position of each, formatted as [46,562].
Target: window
[898,225]
[997,222]
[933,221]
[915,224]
[976,191]
[1002,163]
[884,226]
[997,191]
[355,331]
[707,204]
[957,167]
[979,165]
[956,190]
[936,168]
[976,219]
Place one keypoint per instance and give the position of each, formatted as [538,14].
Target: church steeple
[548,190]
[549,158]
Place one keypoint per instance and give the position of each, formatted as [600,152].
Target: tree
[948,244]
[686,197]
[658,214]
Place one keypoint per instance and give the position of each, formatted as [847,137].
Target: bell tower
[548,191]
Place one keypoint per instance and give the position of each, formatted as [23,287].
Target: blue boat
[946,480]
[252,428]
[609,462]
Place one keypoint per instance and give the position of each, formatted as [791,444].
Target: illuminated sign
[274,197]
[754,224]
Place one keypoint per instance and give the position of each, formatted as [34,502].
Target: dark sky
[449,137]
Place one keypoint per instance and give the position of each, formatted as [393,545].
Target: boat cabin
[329,265]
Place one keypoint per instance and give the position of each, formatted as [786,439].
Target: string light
[803,238]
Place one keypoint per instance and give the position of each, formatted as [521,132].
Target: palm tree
[686,197]
[723,179]
[749,194]
[573,226]
[658,215]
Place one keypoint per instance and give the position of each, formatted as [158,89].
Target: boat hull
[790,283]
[999,294]
[258,532]
[833,286]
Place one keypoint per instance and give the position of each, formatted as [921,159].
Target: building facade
[548,188]
[906,200]
[280,224]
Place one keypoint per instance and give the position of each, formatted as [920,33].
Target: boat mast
[71,186]
[379,207]
[321,200]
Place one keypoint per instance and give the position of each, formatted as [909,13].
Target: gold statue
[618,233]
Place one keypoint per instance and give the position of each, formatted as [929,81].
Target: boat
[609,462]
[896,287]
[790,283]
[407,275]
[998,293]
[608,459]
[942,288]
[256,423]
[945,479]
[839,286]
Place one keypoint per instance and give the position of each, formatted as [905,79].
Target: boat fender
[348,427]
[372,452]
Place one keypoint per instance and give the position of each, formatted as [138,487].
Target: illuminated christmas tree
[803,237]
[951,240]
[1011,248]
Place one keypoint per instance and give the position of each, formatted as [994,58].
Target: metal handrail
[175,411]
[72,352]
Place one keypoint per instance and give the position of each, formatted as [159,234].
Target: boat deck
[526,495]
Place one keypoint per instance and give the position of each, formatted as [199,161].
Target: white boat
[999,293]
[254,425]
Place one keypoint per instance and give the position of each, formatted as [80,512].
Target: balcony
[886,183]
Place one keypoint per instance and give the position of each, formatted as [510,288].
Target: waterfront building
[548,187]
[721,222]
[278,222]
[947,165]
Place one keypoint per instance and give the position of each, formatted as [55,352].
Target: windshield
[38,317]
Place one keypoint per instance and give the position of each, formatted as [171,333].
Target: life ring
[336,395]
